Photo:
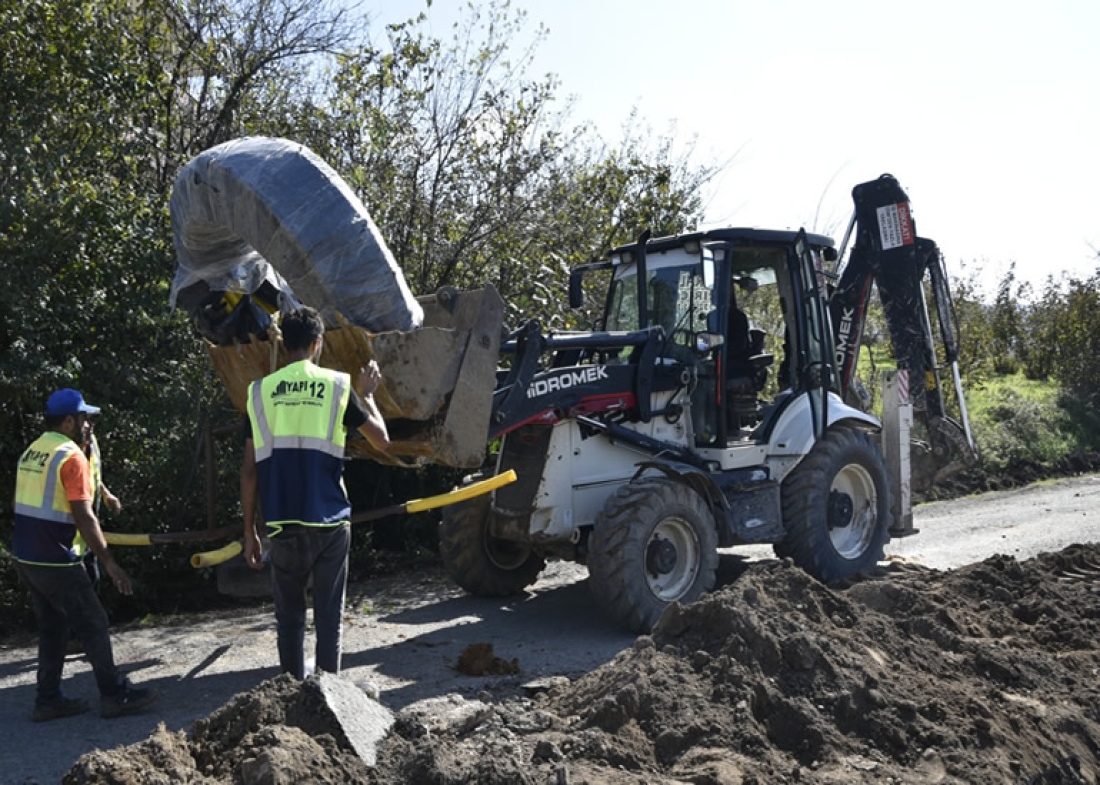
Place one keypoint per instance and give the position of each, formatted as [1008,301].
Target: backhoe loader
[717,403]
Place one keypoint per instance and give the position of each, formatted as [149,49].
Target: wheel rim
[853,511]
[506,554]
[672,559]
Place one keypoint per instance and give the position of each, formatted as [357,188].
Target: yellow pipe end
[461,494]
[212,558]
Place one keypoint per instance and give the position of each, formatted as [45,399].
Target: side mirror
[706,342]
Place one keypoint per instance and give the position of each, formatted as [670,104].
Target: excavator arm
[888,253]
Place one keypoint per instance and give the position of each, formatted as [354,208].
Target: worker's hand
[253,552]
[113,503]
[118,577]
[368,379]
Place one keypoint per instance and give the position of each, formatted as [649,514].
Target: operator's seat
[746,361]
[747,366]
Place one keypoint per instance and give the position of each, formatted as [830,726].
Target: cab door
[813,351]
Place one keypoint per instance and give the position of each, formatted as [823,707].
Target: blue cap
[68,401]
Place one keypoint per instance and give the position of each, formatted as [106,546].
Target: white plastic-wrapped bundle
[258,209]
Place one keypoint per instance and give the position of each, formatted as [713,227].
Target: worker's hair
[300,327]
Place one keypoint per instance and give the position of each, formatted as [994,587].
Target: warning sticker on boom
[895,225]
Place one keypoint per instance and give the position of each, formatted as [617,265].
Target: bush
[1015,429]
[15,603]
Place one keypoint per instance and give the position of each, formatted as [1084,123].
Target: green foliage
[1037,334]
[1076,339]
[977,342]
[1082,426]
[86,254]
[1006,325]
[15,607]
[1017,420]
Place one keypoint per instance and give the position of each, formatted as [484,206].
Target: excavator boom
[904,268]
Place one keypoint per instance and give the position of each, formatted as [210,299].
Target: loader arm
[528,392]
[888,253]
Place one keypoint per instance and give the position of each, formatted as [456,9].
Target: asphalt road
[405,635]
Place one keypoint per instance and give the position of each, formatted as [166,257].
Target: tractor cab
[743,310]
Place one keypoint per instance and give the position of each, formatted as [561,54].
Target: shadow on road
[554,630]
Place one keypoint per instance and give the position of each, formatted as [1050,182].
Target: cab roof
[734,235]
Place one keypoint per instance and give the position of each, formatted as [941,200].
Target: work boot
[128,700]
[59,707]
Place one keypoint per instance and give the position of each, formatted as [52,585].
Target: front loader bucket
[437,381]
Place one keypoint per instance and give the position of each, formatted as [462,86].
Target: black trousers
[66,604]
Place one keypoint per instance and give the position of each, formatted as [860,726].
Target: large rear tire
[484,565]
[836,507]
[654,543]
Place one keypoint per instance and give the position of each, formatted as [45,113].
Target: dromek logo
[844,336]
[570,377]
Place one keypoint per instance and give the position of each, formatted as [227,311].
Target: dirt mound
[1017,475]
[985,674]
[280,732]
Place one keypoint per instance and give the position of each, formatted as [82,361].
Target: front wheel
[836,507]
[654,543]
[480,563]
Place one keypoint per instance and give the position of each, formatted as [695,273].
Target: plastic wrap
[261,210]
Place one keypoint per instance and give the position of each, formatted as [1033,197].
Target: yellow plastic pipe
[461,494]
[118,538]
[166,538]
[212,558]
[207,559]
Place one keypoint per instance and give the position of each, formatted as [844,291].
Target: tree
[1037,334]
[254,53]
[977,341]
[1005,321]
[90,137]
[1076,346]
[473,172]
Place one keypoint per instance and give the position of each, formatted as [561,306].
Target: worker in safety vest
[100,495]
[53,502]
[292,473]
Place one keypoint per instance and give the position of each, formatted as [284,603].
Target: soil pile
[985,674]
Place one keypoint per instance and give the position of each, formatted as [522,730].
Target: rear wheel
[654,543]
[836,507]
[480,563]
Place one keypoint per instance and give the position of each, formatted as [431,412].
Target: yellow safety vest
[44,524]
[96,465]
[97,474]
[298,433]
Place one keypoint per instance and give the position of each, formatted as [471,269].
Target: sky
[987,113]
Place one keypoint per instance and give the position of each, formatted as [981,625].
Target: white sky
[987,111]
